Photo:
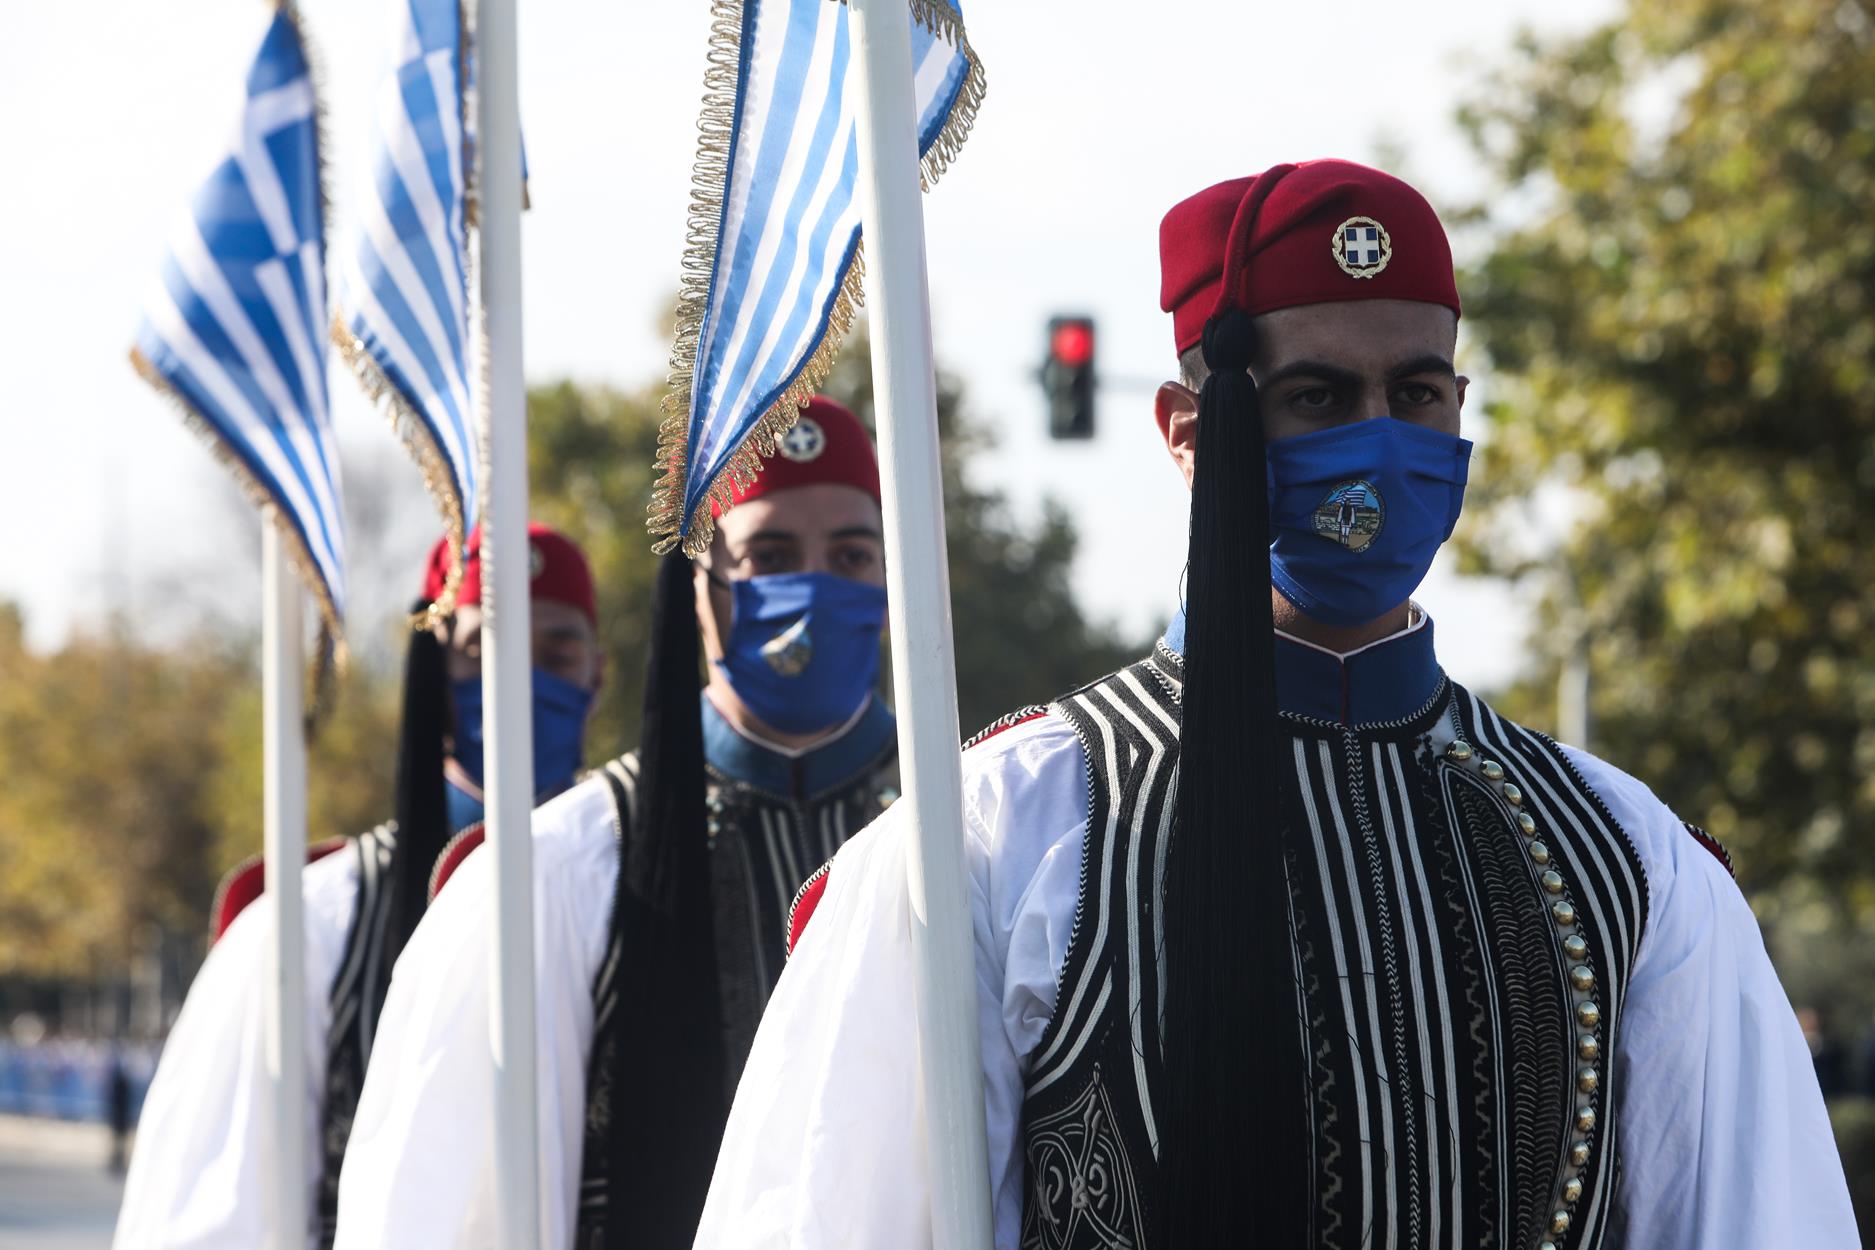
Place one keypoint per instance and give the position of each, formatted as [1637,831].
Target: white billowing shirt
[1725,1142]
[419,1167]
[199,1175]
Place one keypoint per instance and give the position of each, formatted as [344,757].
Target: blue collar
[829,766]
[1383,682]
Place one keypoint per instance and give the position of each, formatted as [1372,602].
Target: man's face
[564,643]
[824,528]
[1324,365]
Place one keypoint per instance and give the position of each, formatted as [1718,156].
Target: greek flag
[402,322]
[234,330]
[772,274]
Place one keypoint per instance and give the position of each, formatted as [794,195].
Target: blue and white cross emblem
[804,441]
[1362,247]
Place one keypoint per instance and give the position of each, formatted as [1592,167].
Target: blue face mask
[803,653]
[1357,513]
[560,709]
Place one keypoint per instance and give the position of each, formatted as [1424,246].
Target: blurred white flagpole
[284,853]
[924,669]
[507,630]
[283,850]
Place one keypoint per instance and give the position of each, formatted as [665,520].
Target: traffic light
[1068,377]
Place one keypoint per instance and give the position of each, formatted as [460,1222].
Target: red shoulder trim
[1714,845]
[1003,724]
[454,852]
[806,899]
[247,881]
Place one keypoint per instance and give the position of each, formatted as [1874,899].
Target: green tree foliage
[1020,635]
[102,818]
[1679,308]
[133,781]
[351,763]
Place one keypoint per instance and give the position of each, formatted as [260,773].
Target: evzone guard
[664,884]
[198,1175]
[1283,937]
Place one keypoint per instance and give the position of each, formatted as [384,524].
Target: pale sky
[1099,117]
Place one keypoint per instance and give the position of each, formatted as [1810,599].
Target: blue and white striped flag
[235,328]
[772,272]
[402,320]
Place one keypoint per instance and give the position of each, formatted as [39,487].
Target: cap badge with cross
[1362,247]
[804,441]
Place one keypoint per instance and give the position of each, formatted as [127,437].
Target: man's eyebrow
[772,536]
[1313,369]
[858,531]
[1431,362]
[1323,371]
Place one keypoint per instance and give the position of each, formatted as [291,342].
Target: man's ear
[1175,410]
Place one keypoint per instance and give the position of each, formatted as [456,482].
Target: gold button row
[1575,948]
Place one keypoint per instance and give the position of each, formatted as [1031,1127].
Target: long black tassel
[420,806]
[668,1101]
[1233,1144]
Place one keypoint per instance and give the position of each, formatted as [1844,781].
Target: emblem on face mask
[789,651]
[1351,514]
[804,442]
[1362,247]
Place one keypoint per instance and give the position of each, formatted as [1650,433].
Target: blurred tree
[1679,308]
[104,824]
[1020,635]
[134,780]
[351,763]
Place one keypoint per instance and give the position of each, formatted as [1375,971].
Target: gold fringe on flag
[438,478]
[708,182]
[406,423]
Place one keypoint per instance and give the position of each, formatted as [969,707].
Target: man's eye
[1316,397]
[770,561]
[854,561]
[1418,393]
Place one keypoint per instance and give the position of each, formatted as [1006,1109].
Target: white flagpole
[284,852]
[507,634]
[924,669]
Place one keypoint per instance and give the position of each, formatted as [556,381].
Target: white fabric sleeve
[199,1175]
[1725,1144]
[420,1166]
[825,1146]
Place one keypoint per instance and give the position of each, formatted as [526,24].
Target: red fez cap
[826,444]
[1314,233]
[556,569]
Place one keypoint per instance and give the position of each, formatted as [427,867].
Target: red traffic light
[1072,343]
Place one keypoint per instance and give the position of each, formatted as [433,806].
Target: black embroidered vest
[763,845]
[1465,915]
[354,1002]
